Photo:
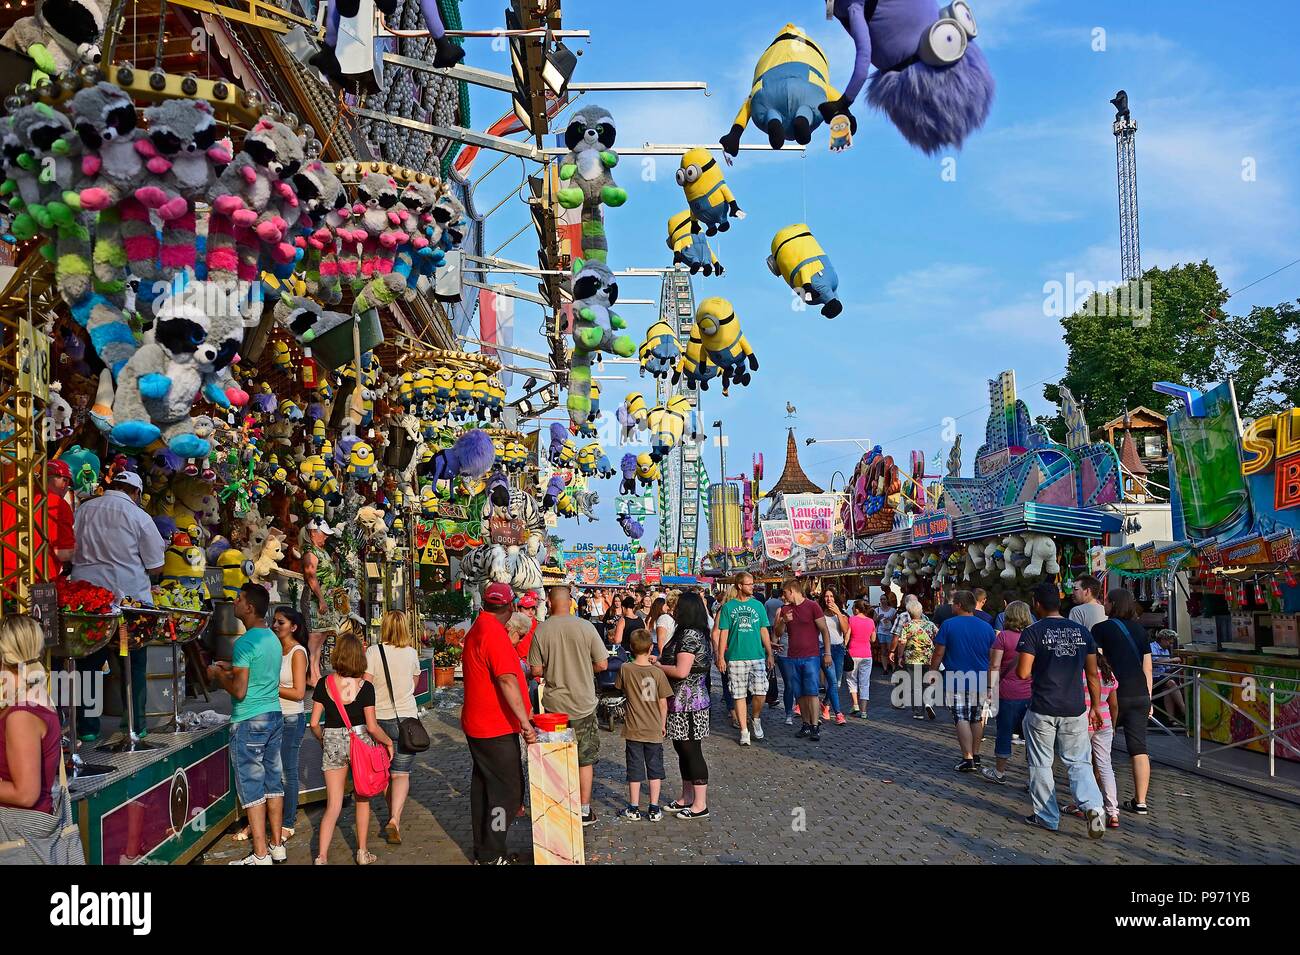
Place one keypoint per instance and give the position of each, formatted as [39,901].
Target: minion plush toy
[482,394]
[588,456]
[441,388]
[689,248]
[235,571]
[635,406]
[799,258]
[463,390]
[709,198]
[724,342]
[695,366]
[647,469]
[496,397]
[361,462]
[516,456]
[666,427]
[791,81]
[660,351]
[281,355]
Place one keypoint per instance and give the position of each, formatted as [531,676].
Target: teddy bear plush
[1040,554]
[1013,550]
[379,219]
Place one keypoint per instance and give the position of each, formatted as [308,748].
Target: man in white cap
[118,548]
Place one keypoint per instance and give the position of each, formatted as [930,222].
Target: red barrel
[551,722]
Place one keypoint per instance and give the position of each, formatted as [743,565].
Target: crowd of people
[1057,681]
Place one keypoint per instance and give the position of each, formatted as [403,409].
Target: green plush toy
[586,167]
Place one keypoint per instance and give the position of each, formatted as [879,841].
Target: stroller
[611,702]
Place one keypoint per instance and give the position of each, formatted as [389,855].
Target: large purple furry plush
[631,526]
[628,467]
[933,107]
[470,457]
[554,488]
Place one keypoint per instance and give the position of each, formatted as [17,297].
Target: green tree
[1265,353]
[1114,359]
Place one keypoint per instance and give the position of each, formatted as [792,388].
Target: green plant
[446,655]
[447,605]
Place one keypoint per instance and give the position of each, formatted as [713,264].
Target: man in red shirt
[62,541]
[493,718]
[806,623]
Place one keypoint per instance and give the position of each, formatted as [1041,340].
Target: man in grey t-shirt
[1088,610]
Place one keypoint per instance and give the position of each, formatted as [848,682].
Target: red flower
[79,596]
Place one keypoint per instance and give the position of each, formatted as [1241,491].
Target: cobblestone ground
[876,791]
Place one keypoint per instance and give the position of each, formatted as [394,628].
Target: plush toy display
[709,198]
[660,351]
[470,457]
[931,81]
[596,328]
[631,526]
[721,338]
[59,36]
[799,259]
[689,248]
[647,469]
[627,466]
[1040,555]
[791,80]
[590,141]
[668,424]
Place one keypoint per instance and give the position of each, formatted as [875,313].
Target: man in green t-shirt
[744,654]
[256,724]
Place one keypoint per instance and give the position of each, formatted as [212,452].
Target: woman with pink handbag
[343,719]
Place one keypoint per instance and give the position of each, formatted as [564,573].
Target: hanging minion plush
[496,397]
[406,390]
[635,406]
[689,248]
[798,258]
[516,456]
[605,467]
[428,501]
[565,505]
[314,507]
[290,411]
[282,356]
[708,196]
[660,351]
[313,472]
[463,393]
[361,462]
[235,572]
[499,454]
[695,366]
[482,395]
[441,389]
[668,424]
[259,488]
[791,81]
[318,433]
[723,341]
[183,566]
[587,429]
[588,457]
[647,469]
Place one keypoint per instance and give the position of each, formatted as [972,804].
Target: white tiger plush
[481,566]
[526,576]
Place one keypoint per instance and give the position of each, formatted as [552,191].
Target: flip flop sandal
[364,857]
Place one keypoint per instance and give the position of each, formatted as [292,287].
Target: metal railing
[1190,684]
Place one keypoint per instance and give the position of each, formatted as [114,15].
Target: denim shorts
[401,760]
[255,754]
[805,675]
[645,761]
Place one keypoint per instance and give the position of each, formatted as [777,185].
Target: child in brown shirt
[644,724]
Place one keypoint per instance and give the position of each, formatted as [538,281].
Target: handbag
[369,760]
[30,837]
[411,734]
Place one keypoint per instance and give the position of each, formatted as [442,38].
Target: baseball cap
[130,479]
[320,525]
[498,595]
[59,469]
[529,599]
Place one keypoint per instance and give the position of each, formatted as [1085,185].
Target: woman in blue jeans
[1012,692]
[837,625]
[289,625]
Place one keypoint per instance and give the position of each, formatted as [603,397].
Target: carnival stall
[1235,493]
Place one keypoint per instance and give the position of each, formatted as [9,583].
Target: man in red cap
[493,718]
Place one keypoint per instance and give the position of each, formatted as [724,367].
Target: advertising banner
[778,540]
[812,518]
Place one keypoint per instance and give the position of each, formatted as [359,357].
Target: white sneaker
[758,729]
[251,859]
[278,854]
[789,721]
[744,737]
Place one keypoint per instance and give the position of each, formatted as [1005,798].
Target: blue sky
[942,280]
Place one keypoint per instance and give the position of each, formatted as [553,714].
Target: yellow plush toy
[798,258]
[710,200]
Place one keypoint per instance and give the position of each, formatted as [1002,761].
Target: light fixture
[521,94]
[558,69]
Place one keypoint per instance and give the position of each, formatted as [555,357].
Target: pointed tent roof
[793,480]
[1128,456]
